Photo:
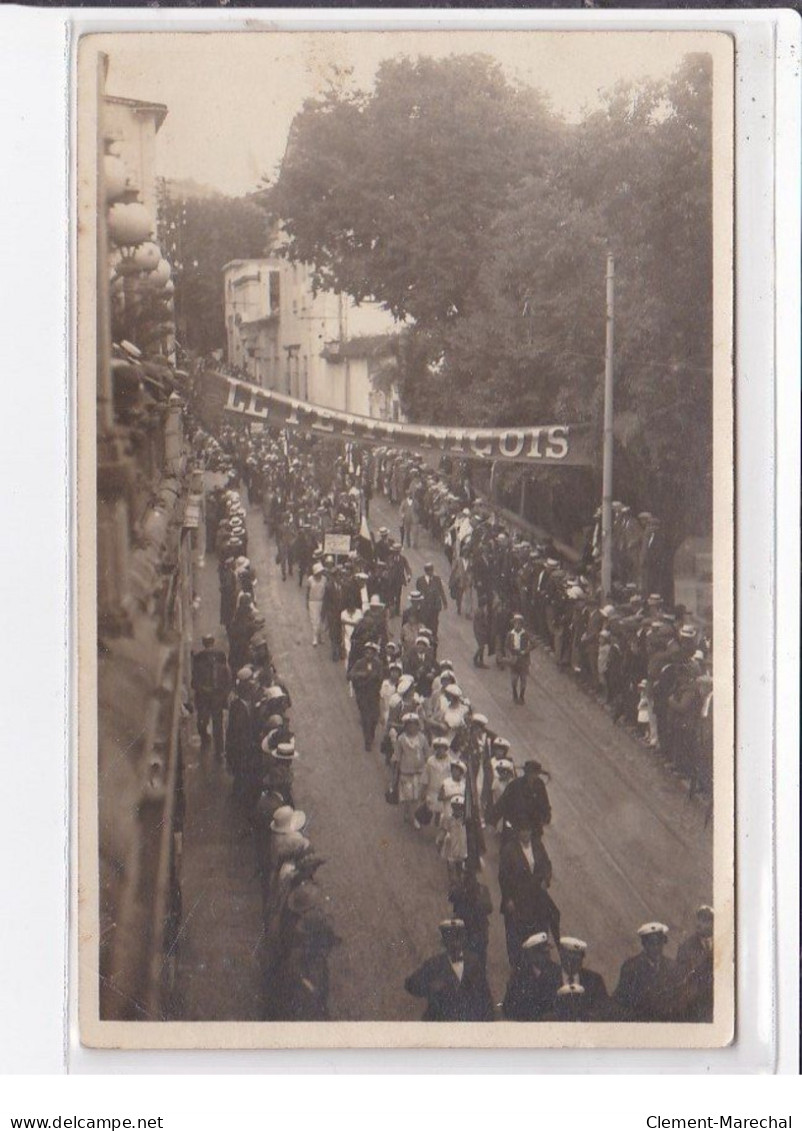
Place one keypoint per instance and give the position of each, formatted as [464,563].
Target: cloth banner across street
[554,445]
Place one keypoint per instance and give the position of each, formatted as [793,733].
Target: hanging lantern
[129,224]
[162,273]
[115,177]
[147,256]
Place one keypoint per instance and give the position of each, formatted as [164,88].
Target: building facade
[131,126]
[322,348]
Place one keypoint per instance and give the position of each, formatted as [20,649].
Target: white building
[321,348]
[133,125]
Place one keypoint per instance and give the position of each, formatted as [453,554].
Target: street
[627,845]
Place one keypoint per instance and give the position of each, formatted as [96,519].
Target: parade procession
[405,659]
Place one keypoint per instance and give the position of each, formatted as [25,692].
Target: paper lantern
[147,256]
[162,273]
[129,224]
[115,177]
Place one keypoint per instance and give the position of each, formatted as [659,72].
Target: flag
[364,541]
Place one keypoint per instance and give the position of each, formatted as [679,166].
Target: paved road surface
[626,843]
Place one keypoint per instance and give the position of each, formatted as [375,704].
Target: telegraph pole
[607,459]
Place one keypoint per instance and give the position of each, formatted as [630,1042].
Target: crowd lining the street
[451,775]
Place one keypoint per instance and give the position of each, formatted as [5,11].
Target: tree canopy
[465,206]
[200,235]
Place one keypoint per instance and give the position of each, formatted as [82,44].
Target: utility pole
[607,458]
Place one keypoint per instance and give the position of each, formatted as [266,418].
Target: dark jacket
[524,887]
[447,998]
[645,990]
[596,1001]
[530,992]
[694,981]
[523,804]
[239,736]
[211,679]
[434,595]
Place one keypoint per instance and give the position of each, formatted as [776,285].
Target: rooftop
[157,109]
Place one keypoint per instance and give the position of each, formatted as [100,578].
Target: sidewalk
[217,970]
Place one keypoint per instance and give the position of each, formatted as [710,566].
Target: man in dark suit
[646,984]
[533,983]
[695,970]
[525,802]
[366,678]
[431,588]
[211,685]
[524,876]
[594,1002]
[653,559]
[453,983]
[241,749]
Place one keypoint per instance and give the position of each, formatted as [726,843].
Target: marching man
[519,646]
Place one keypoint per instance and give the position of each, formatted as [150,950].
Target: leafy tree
[200,235]
[392,195]
[461,204]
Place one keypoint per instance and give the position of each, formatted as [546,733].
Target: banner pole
[607,462]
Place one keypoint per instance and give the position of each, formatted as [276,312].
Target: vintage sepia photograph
[405,539]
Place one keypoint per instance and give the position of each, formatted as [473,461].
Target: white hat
[482,720]
[376,602]
[502,742]
[505,765]
[317,568]
[452,925]
[540,939]
[687,631]
[244,674]
[287,820]
[654,598]
[608,610]
[453,691]
[576,945]
[421,639]
[441,742]
[653,929]
[285,752]
[409,717]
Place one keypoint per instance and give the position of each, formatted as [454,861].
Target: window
[274,287]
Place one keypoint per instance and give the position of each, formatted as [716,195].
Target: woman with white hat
[409,759]
[436,771]
[315,586]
